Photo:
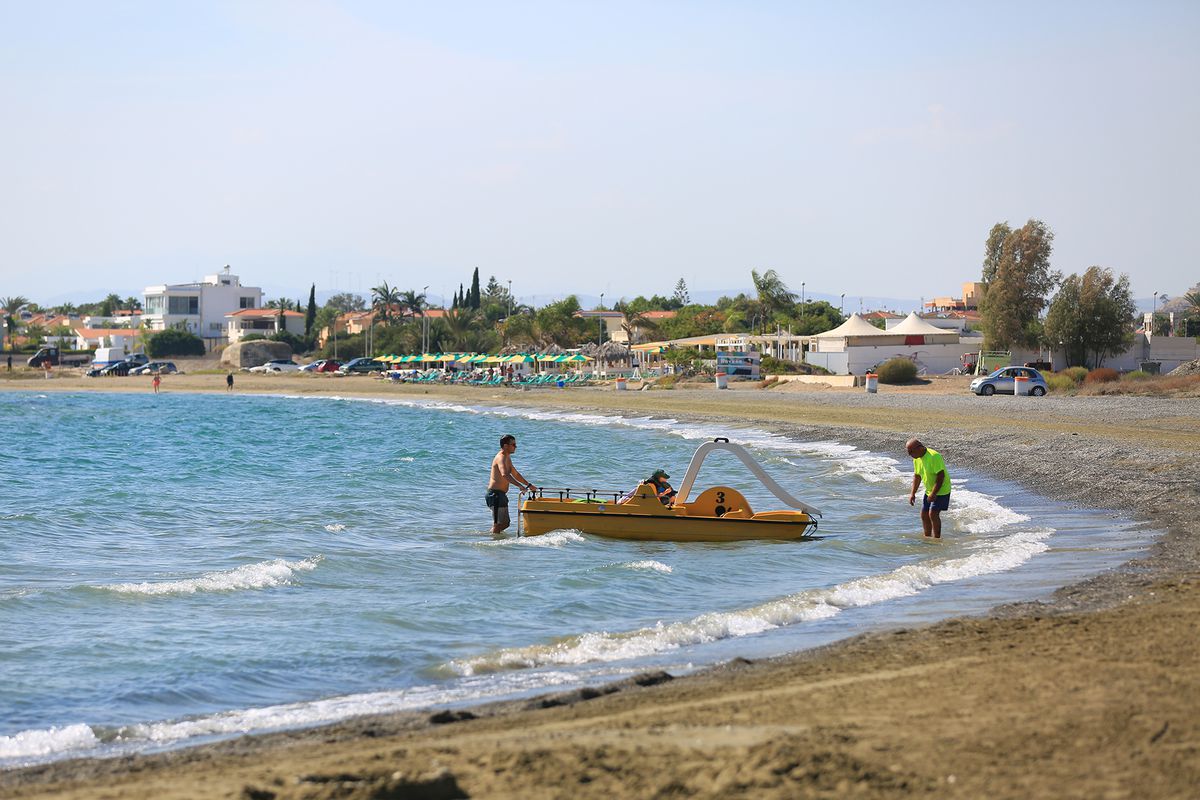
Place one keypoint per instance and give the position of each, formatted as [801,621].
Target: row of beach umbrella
[483,358]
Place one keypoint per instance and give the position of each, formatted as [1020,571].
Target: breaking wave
[262,575]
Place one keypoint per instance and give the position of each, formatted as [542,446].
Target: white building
[199,307]
[262,320]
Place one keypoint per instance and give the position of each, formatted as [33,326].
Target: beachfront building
[265,321]
[199,307]
[611,321]
[90,338]
[972,293]
[855,346]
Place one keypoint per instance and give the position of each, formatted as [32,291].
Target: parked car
[138,359]
[120,368]
[1003,381]
[324,365]
[277,365]
[160,367]
[362,365]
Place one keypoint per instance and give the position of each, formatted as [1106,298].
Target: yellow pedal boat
[718,514]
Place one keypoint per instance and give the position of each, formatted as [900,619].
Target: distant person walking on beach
[929,468]
[155,383]
[229,382]
[502,473]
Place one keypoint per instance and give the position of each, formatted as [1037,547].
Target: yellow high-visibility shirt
[928,466]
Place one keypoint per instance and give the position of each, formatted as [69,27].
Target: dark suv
[362,365]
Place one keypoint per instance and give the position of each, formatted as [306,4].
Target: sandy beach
[1093,693]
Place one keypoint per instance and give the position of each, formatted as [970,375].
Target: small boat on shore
[718,514]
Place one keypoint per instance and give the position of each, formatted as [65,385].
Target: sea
[181,568]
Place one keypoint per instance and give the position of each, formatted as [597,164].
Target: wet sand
[1093,693]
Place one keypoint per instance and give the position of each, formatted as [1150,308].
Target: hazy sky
[856,147]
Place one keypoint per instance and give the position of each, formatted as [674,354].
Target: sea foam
[996,555]
[262,575]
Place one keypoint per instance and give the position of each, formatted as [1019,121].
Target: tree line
[1089,317]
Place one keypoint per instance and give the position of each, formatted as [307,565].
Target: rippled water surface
[175,568]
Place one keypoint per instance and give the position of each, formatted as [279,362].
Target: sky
[858,148]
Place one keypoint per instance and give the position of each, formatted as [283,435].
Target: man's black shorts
[939,503]
[497,501]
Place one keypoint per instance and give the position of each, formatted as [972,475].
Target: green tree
[993,250]
[413,302]
[633,322]
[1023,281]
[1193,303]
[475,298]
[1091,317]
[11,307]
[681,294]
[131,304]
[384,300]
[693,320]
[819,316]
[310,314]
[773,298]
[345,302]
[109,304]
[281,304]
[556,323]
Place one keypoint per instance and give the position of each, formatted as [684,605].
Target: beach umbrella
[521,358]
[575,358]
[589,349]
[547,357]
[553,350]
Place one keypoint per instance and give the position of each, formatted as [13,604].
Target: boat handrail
[722,443]
[564,493]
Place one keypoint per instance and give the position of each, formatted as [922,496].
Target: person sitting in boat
[663,490]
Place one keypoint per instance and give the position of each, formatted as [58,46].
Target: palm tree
[634,322]
[384,299]
[414,302]
[1193,301]
[456,327]
[132,303]
[773,295]
[282,304]
[10,306]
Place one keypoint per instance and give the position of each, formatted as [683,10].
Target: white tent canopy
[854,326]
[912,325]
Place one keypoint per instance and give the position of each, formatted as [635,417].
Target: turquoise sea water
[178,568]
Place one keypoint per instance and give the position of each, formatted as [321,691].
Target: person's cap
[658,473]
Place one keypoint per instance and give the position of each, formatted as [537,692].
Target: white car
[277,365]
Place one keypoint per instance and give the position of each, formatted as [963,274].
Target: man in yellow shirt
[929,468]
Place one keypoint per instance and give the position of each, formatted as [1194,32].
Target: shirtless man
[503,472]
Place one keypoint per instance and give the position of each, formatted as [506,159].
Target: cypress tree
[475,289]
[310,314]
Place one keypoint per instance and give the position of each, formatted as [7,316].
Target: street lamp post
[510,298]
[600,341]
[842,305]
